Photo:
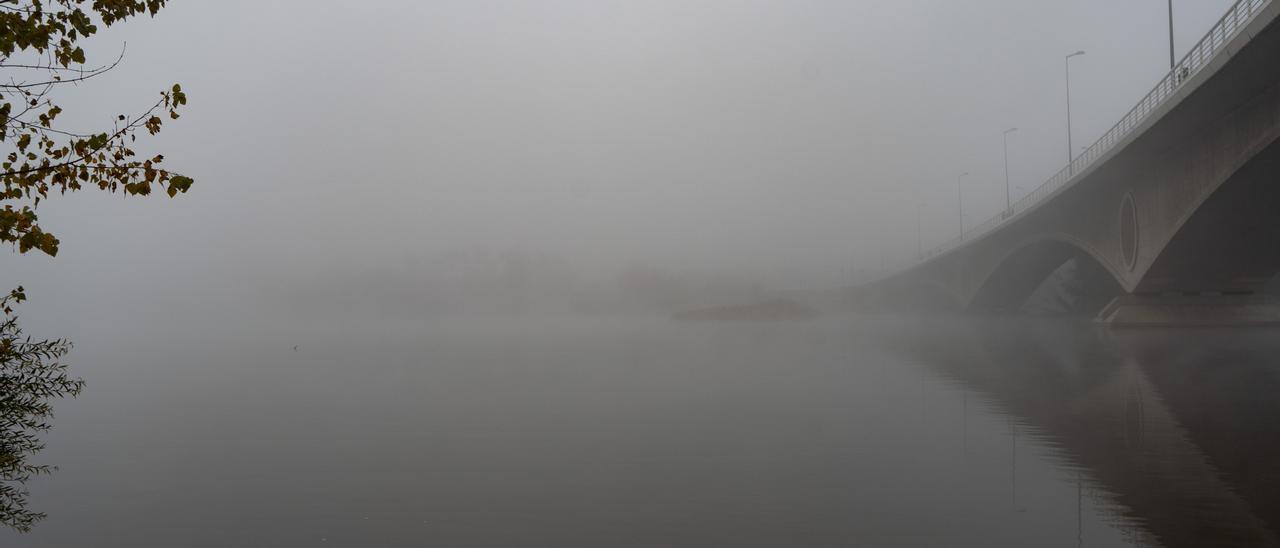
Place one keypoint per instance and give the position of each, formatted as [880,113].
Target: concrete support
[1205,310]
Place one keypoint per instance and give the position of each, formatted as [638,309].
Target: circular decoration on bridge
[1129,231]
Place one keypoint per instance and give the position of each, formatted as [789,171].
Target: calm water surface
[593,432]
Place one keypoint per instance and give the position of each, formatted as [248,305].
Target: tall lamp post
[919,239]
[1008,196]
[960,200]
[1071,155]
[1171,60]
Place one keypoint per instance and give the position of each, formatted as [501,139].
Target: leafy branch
[43,158]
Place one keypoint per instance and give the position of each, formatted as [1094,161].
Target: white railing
[1237,18]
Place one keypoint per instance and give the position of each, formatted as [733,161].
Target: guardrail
[1239,16]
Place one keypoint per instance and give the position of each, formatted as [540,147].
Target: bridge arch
[1227,240]
[1016,275]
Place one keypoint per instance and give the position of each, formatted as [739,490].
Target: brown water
[568,432]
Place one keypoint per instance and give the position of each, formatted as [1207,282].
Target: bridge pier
[1188,310]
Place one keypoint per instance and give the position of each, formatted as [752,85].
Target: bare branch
[84,75]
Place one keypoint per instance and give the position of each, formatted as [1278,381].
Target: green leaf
[179,183]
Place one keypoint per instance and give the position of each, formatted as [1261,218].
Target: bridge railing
[1237,18]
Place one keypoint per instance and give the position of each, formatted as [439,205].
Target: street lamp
[1008,198]
[919,240]
[1070,150]
[960,200]
[1171,61]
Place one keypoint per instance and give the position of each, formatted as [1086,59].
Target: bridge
[1171,216]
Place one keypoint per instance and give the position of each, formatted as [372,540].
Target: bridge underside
[1077,286]
[1232,242]
[1048,277]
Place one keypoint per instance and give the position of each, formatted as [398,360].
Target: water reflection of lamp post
[1070,151]
[1079,508]
[1013,463]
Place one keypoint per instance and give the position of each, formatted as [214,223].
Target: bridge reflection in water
[1181,433]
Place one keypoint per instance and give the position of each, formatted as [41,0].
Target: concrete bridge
[1174,214]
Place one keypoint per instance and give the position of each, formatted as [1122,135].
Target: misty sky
[789,140]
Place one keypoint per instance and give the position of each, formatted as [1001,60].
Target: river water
[604,431]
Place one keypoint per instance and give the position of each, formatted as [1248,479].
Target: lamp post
[960,200]
[1070,151]
[1008,196]
[1171,60]
[919,240]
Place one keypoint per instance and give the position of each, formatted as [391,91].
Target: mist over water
[638,430]
[563,273]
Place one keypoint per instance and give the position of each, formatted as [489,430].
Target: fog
[431,284]
[764,145]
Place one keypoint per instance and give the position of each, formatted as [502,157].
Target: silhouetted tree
[30,377]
